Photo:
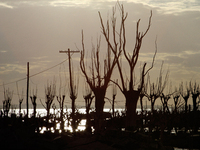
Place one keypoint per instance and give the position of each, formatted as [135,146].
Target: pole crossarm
[70,51]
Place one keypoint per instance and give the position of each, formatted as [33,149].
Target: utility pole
[27,87]
[70,71]
[72,94]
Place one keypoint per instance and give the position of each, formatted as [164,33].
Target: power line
[36,73]
[48,68]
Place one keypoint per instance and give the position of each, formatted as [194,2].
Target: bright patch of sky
[172,6]
[165,6]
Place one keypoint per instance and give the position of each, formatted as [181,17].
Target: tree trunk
[141,104]
[88,119]
[99,106]
[186,106]
[61,119]
[47,119]
[20,107]
[152,105]
[194,98]
[73,116]
[131,105]
[113,106]
[34,110]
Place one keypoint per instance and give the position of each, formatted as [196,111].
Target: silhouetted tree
[177,101]
[143,94]
[33,100]
[164,100]
[195,91]
[185,95]
[50,92]
[7,101]
[61,99]
[87,95]
[157,88]
[97,81]
[21,98]
[114,93]
[118,43]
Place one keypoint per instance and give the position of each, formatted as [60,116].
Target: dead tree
[73,96]
[185,95]
[7,101]
[21,98]
[142,95]
[33,100]
[114,93]
[157,88]
[50,92]
[164,100]
[87,95]
[177,101]
[195,91]
[118,43]
[98,81]
[61,99]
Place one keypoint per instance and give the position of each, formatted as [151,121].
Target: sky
[35,31]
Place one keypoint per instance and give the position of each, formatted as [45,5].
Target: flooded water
[67,127]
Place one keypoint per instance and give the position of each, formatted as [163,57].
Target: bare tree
[114,93]
[61,99]
[97,80]
[165,96]
[131,95]
[164,99]
[21,98]
[195,91]
[50,92]
[87,95]
[177,101]
[185,95]
[7,101]
[33,100]
[143,94]
[157,88]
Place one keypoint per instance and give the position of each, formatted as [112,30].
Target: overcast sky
[34,31]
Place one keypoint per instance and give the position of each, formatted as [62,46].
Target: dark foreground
[108,140]
[24,133]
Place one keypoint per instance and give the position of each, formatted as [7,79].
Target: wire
[12,82]
[35,73]
[48,68]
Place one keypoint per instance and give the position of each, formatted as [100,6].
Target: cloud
[54,3]
[165,6]
[74,3]
[171,6]
[188,60]
[5,5]
[10,68]
[3,51]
